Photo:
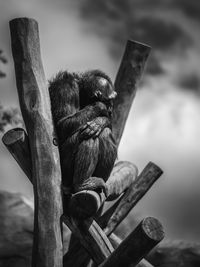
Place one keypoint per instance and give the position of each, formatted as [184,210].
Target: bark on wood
[85,204]
[46,175]
[92,237]
[130,71]
[90,234]
[113,216]
[116,213]
[135,247]
[77,254]
[16,141]
[16,231]
[116,241]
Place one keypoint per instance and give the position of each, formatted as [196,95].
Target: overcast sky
[164,122]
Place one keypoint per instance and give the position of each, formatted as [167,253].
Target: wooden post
[77,254]
[89,233]
[116,213]
[46,175]
[129,253]
[130,71]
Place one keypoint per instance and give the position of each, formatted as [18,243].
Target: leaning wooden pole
[128,76]
[91,236]
[16,141]
[145,237]
[46,175]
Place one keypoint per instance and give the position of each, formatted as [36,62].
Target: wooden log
[86,203]
[136,246]
[76,255]
[130,71]
[92,237]
[88,232]
[116,241]
[46,175]
[113,216]
[16,141]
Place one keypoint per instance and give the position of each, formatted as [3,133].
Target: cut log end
[85,204]
[12,136]
[153,229]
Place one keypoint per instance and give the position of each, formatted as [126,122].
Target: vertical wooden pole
[46,175]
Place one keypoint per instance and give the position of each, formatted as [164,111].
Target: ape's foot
[93,183]
[86,203]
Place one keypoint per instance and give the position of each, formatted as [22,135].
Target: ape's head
[95,86]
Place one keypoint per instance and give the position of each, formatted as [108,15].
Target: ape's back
[80,159]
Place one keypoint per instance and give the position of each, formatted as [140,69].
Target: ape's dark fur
[84,152]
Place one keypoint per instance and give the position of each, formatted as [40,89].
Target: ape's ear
[98,93]
[113,95]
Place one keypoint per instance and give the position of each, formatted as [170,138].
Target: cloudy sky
[164,122]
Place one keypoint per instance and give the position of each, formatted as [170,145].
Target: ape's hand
[94,128]
[93,183]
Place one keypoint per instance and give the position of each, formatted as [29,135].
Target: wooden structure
[93,241]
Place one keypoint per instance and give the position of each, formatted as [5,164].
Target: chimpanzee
[82,110]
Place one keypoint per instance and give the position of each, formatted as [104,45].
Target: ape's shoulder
[63,79]
[64,94]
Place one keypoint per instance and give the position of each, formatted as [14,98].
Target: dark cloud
[155,68]
[119,20]
[190,8]
[190,82]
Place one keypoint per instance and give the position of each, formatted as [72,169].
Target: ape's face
[104,90]
[97,86]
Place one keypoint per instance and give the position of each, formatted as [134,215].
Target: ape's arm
[94,128]
[78,121]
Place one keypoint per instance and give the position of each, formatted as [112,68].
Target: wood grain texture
[116,241]
[88,232]
[136,246]
[86,203]
[92,237]
[130,71]
[35,106]
[16,141]
[77,255]
[113,216]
